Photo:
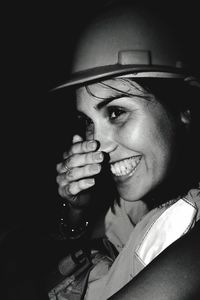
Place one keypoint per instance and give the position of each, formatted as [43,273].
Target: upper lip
[113,162]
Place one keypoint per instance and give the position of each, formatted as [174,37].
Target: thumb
[77,138]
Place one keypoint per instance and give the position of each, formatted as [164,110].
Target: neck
[135,210]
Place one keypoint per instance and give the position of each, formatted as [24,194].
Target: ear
[185,117]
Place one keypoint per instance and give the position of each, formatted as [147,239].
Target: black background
[35,125]
[36,46]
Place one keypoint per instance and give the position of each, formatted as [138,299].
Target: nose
[105,136]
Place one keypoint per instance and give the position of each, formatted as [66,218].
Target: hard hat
[127,40]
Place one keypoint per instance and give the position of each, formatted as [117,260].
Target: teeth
[125,167]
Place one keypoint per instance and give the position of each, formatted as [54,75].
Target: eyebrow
[106,101]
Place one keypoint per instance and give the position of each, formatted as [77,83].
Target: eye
[115,112]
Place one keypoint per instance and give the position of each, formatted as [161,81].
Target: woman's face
[137,133]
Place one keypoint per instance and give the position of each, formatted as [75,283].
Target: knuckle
[71,151]
[62,182]
[61,192]
[88,157]
[75,148]
[65,178]
[65,154]
[75,161]
[71,161]
[71,188]
[58,179]
[70,174]
[67,164]
[58,167]
[85,146]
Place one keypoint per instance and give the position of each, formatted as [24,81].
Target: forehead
[109,88]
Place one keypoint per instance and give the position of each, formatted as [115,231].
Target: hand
[76,173]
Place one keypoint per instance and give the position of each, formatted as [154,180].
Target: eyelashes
[113,114]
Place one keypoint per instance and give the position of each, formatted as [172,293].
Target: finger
[78,173]
[77,138]
[74,160]
[64,193]
[71,190]
[62,167]
[76,187]
[79,160]
[82,147]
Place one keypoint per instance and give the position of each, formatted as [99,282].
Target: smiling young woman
[136,105]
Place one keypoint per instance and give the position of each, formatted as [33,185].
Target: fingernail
[91,145]
[90,181]
[95,168]
[98,156]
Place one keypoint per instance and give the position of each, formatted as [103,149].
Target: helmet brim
[105,72]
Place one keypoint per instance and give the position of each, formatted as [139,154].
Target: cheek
[151,137]
[160,147]
[164,133]
[132,134]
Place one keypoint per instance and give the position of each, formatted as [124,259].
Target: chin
[135,192]
[131,194]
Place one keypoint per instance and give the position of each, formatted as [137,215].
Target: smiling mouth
[126,166]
